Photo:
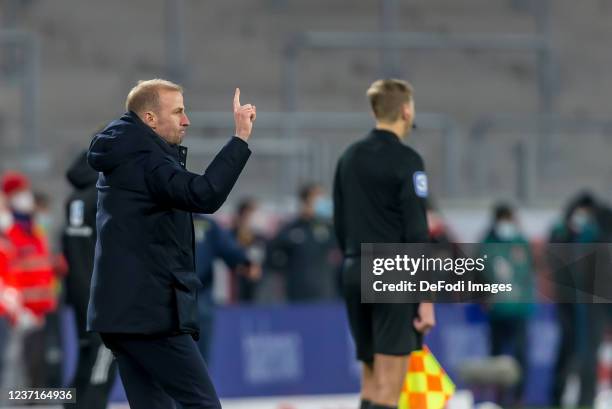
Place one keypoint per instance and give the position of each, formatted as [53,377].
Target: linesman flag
[427,386]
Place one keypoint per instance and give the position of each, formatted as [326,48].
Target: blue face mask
[324,208]
[580,221]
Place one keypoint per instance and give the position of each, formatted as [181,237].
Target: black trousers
[95,374]
[509,336]
[596,315]
[581,333]
[567,352]
[34,348]
[158,371]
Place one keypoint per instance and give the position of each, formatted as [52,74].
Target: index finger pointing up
[237,99]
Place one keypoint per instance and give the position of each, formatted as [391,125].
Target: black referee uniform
[380,189]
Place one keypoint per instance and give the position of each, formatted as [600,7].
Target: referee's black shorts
[377,328]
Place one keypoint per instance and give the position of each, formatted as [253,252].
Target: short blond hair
[387,97]
[145,95]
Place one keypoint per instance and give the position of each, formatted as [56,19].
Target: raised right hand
[244,116]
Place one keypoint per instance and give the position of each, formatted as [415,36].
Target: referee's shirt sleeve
[413,195]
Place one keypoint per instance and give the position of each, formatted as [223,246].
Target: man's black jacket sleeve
[176,187]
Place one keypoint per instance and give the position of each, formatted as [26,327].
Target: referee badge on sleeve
[419,180]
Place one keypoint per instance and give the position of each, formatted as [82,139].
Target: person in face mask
[247,234]
[581,324]
[509,261]
[304,250]
[19,198]
[582,224]
[33,274]
[43,216]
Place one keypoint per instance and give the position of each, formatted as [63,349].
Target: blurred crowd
[291,259]
[527,264]
[30,285]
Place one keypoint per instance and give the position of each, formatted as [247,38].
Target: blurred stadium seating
[92,52]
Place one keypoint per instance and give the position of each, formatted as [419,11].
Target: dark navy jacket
[144,279]
[213,242]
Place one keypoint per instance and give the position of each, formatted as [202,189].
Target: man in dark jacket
[143,290]
[509,260]
[305,251]
[96,369]
[581,324]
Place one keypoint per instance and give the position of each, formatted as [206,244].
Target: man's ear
[150,119]
[406,114]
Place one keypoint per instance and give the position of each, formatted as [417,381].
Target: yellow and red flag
[427,386]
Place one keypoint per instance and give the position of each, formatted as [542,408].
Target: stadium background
[512,98]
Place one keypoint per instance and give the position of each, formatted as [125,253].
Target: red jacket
[7,256]
[31,270]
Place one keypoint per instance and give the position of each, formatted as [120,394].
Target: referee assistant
[380,189]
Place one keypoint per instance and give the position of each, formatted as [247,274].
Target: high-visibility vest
[7,255]
[31,270]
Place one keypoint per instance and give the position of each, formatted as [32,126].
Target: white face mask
[579,220]
[22,202]
[506,230]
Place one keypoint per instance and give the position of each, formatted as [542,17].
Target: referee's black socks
[375,406]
